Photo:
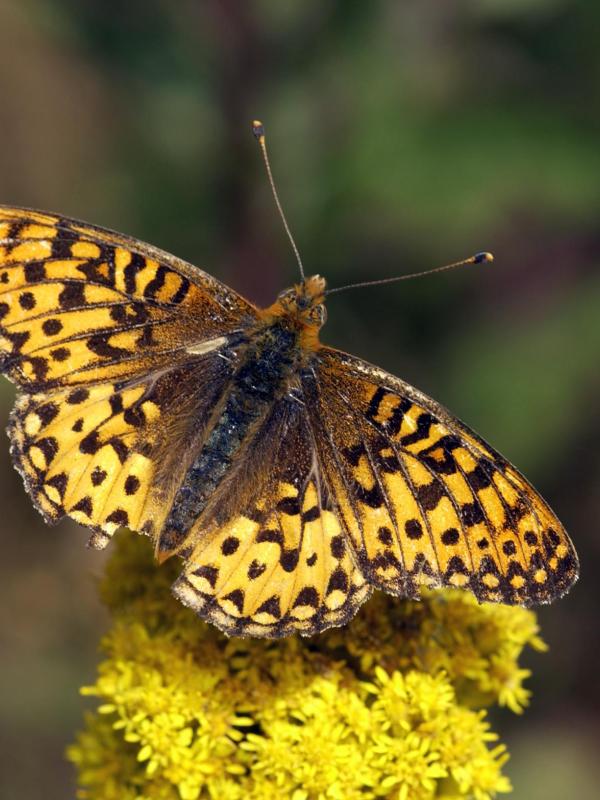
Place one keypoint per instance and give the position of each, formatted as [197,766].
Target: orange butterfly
[291,478]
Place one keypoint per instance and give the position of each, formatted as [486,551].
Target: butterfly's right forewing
[424,501]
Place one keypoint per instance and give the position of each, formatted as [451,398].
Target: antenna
[478,258]
[258,129]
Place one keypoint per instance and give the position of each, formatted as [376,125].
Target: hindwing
[112,453]
[275,559]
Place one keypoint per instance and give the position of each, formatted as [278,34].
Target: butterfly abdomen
[264,373]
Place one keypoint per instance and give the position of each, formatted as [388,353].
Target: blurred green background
[403,135]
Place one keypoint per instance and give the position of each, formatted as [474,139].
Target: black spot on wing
[85,506]
[209,574]
[479,478]
[471,514]
[59,482]
[338,547]
[430,494]
[119,516]
[63,241]
[230,545]
[181,292]
[450,536]
[47,412]
[27,301]
[73,295]
[308,596]
[256,569]
[289,505]
[35,271]
[271,606]
[384,535]
[311,514]
[52,326]
[372,497]
[98,476]
[338,581]
[267,535]
[237,598]
[78,396]
[90,444]
[413,529]
[132,484]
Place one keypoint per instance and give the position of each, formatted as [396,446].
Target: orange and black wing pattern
[277,561]
[82,305]
[292,479]
[114,346]
[422,499]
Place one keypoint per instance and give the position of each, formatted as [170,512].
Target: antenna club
[483,258]
[258,129]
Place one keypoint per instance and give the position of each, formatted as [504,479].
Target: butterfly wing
[423,500]
[111,453]
[275,561]
[81,305]
[121,351]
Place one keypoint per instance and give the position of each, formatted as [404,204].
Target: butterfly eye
[318,315]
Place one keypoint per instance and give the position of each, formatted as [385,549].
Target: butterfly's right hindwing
[275,560]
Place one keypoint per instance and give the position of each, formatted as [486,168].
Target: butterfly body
[271,356]
[291,479]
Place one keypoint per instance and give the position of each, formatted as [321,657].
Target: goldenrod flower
[391,706]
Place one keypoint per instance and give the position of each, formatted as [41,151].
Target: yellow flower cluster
[389,707]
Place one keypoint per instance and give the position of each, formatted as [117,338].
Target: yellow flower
[390,707]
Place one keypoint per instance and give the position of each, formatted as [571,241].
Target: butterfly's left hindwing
[424,501]
[110,454]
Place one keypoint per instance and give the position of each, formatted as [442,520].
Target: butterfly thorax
[270,358]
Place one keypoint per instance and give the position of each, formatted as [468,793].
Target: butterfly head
[305,301]
[301,307]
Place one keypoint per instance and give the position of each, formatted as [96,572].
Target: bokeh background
[403,135]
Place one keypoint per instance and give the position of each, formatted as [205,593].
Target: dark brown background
[403,135]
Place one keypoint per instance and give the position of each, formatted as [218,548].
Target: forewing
[80,304]
[275,560]
[424,501]
[111,454]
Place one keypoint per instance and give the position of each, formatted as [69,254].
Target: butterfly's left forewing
[424,501]
[82,305]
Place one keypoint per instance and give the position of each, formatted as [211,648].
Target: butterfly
[292,479]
